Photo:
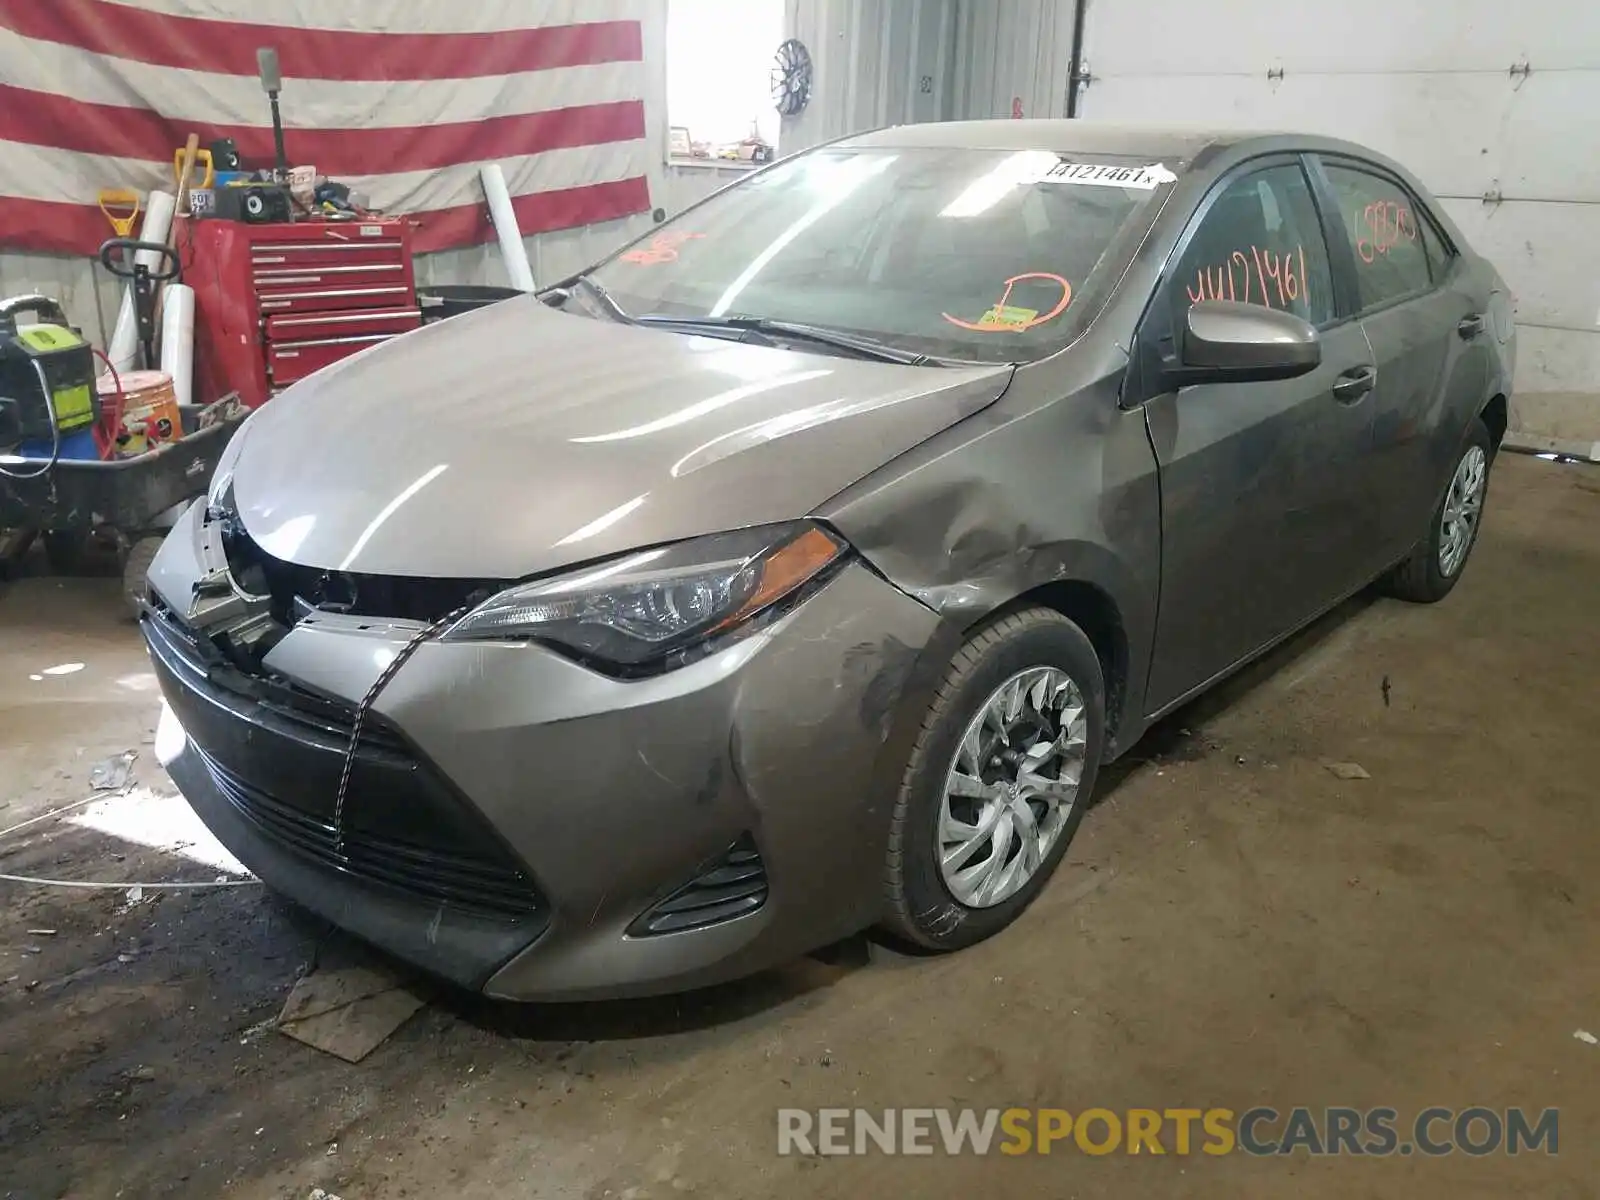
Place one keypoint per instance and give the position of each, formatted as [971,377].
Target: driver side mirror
[1225,341]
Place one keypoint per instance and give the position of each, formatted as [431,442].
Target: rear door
[1262,507]
[1428,336]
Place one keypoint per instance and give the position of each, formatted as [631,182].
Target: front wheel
[998,780]
[1438,560]
[136,573]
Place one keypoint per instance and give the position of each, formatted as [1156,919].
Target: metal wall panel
[69,281]
[883,62]
[875,63]
[1012,55]
[1492,105]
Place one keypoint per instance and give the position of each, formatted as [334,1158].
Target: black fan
[791,77]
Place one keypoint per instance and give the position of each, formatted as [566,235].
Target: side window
[1260,242]
[1440,256]
[1389,236]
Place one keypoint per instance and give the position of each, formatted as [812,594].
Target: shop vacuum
[48,403]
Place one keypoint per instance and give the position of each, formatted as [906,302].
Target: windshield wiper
[795,331]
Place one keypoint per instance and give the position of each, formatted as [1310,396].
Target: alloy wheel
[1463,505]
[1011,787]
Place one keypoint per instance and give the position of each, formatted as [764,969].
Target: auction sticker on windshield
[1007,316]
[1106,175]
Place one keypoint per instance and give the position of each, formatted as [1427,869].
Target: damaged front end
[326,801]
[513,818]
[245,600]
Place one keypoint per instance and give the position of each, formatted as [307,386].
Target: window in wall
[719,85]
[1260,243]
[1386,232]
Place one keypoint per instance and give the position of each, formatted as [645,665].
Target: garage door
[1495,106]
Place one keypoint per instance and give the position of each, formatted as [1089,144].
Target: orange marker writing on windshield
[989,323]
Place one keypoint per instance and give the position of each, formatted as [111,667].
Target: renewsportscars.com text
[1261,1131]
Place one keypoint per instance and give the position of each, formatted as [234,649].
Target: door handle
[1470,327]
[1353,385]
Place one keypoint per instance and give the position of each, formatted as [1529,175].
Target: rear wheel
[1438,560]
[998,780]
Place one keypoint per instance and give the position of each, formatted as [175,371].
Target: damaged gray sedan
[795,569]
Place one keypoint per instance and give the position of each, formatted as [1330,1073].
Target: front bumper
[558,804]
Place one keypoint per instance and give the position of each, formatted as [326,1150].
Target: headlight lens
[646,606]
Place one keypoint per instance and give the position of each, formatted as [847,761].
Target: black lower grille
[291,585]
[461,880]
[732,886]
[275,751]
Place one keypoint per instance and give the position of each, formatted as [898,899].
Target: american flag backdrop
[399,99]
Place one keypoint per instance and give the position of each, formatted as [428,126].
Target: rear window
[973,254]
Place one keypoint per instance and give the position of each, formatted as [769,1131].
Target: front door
[1263,513]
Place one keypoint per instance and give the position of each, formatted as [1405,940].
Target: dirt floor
[1235,926]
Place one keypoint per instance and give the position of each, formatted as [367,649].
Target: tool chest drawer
[270,255]
[310,326]
[290,361]
[331,277]
[274,301]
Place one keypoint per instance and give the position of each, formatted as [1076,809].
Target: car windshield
[986,255]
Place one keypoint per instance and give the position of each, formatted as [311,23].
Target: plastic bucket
[437,303]
[150,413]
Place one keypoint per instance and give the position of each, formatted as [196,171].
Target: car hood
[518,439]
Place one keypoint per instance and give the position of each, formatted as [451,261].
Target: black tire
[14,547]
[136,574]
[65,550]
[1419,578]
[918,906]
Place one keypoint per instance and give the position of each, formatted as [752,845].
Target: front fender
[1003,506]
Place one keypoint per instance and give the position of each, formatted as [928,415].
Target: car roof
[1204,150]
[1138,139]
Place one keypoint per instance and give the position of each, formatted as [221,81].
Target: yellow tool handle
[201,158]
[122,222]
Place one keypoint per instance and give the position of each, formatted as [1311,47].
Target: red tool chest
[273,303]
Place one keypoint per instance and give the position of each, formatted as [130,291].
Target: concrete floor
[1235,926]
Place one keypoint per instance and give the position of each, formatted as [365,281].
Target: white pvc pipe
[506,227]
[124,346]
[177,340]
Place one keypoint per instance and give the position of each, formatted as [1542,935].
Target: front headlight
[647,606]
